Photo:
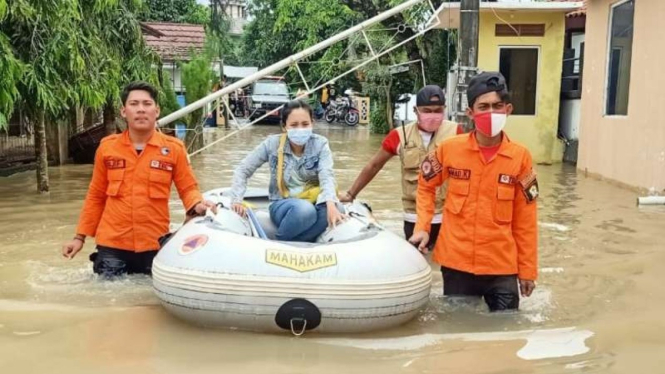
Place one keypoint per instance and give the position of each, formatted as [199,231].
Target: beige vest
[412,153]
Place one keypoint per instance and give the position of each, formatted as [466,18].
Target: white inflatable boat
[224,270]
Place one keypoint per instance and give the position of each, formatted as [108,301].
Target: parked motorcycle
[342,109]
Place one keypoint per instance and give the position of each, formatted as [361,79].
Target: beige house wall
[628,149]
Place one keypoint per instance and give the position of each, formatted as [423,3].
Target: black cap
[424,97]
[489,81]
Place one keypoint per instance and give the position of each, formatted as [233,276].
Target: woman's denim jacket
[315,166]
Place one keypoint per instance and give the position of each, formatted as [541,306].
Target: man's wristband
[80,237]
[352,196]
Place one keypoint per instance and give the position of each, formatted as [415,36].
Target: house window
[520,67]
[577,43]
[619,57]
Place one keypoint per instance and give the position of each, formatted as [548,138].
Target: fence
[16,149]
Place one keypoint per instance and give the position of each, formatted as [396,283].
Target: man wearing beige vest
[412,143]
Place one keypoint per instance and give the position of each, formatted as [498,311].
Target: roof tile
[178,40]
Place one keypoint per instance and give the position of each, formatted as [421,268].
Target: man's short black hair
[139,86]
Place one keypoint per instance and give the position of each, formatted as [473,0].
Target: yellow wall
[539,132]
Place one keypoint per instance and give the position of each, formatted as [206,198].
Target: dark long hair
[293,105]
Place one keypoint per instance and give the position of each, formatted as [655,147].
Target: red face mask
[430,122]
[490,123]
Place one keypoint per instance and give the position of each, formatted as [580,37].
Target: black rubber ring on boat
[298,314]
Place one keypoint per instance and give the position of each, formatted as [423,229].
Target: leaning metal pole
[285,63]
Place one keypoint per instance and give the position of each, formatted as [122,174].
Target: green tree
[312,20]
[283,27]
[11,71]
[197,77]
[168,102]
[61,66]
[199,14]
[259,46]
[435,49]
[302,23]
[75,54]
[116,25]
[177,11]
[220,42]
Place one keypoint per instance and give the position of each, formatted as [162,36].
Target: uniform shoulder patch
[529,185]
[431,167]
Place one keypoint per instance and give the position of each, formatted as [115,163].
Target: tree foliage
[168,102]
[61,55]
[11,71]
[283,27]
[312,20]
[46,36]
[259,46]
[197,77]
[176,11]
[116,25]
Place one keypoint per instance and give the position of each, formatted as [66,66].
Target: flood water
[598,306]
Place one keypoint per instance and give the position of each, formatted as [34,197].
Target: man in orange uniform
[126,208]
[489,239]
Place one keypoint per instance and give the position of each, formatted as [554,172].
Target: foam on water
[533,309]
[80,285]
[540,344]
[551,270]
[554,226]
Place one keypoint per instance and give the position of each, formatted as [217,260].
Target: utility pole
[468,58]
[219,22]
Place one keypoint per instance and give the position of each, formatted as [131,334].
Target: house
[525,41]
[622,134]
[174,43]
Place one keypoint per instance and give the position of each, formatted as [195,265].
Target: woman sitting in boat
[302,182]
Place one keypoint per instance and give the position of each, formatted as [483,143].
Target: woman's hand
[334,216]
[239,209]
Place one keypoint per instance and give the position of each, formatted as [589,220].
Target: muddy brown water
[598,306]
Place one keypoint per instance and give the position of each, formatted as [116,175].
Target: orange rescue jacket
[489,224]
[127,203]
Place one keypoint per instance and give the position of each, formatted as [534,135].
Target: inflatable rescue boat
[224,270]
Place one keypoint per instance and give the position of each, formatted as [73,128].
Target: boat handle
[304,326]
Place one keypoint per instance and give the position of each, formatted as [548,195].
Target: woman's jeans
[298,220]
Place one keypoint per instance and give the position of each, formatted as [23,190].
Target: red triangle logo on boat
[193,243]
